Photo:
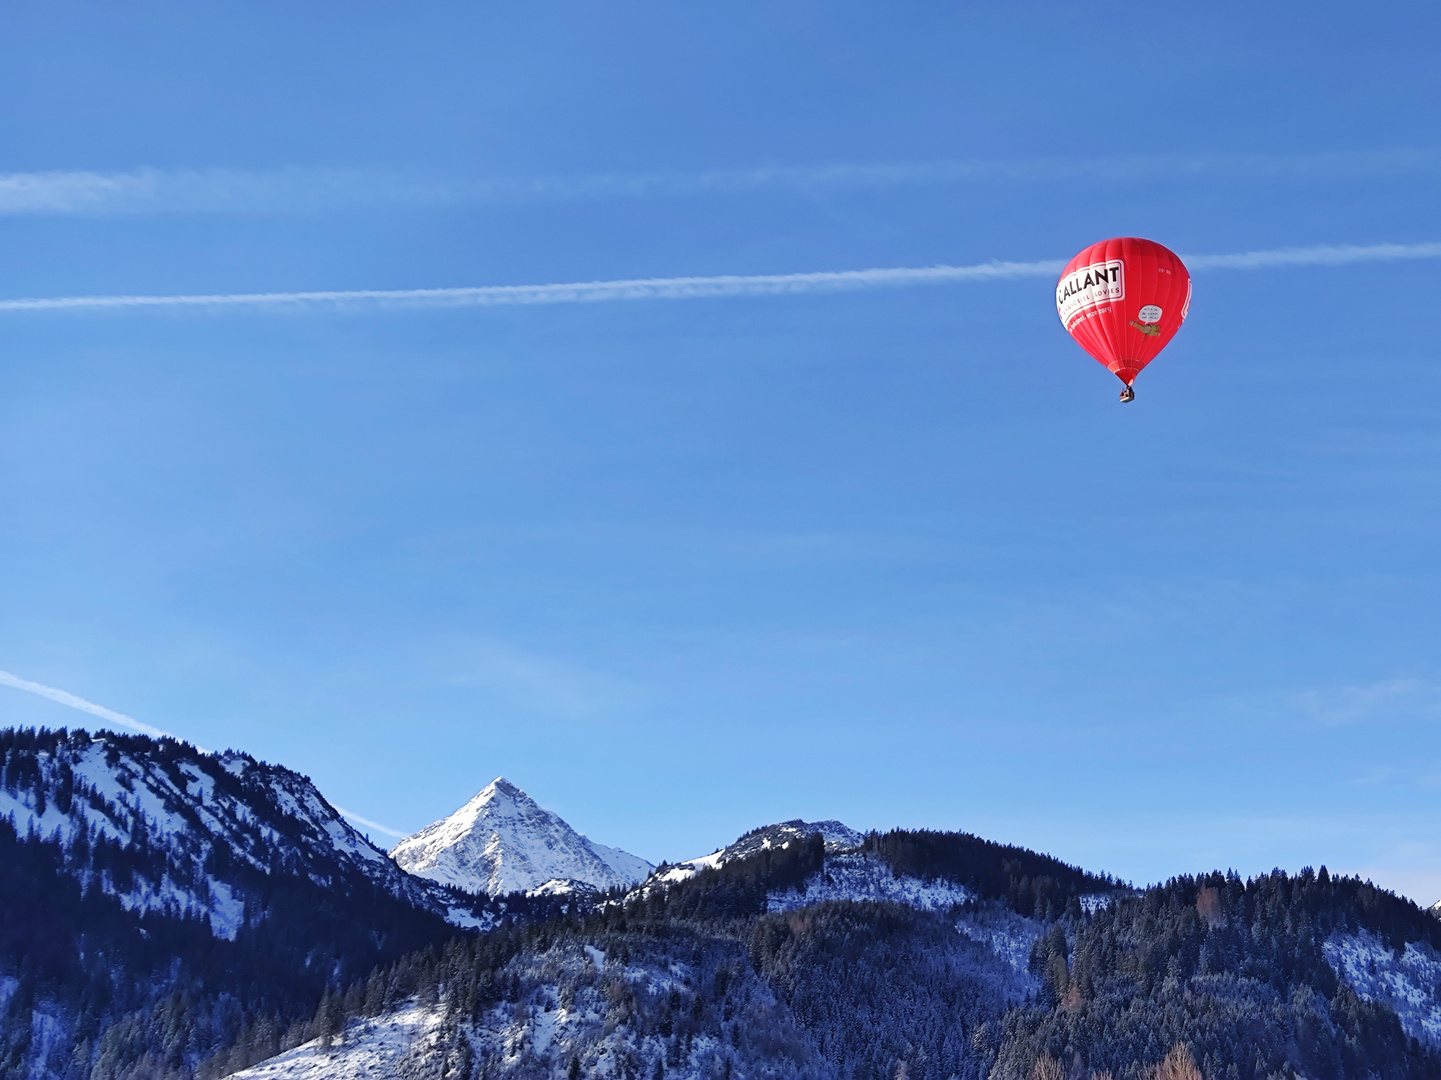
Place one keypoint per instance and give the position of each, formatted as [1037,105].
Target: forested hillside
[166,913]
[1237,971]
[1219,977]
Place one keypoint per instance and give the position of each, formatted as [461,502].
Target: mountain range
[166,912]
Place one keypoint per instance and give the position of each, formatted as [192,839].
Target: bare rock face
[502,841]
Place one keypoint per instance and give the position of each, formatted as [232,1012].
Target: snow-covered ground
[377,1049]
[859,877]
[1410,983]
[1009,936]
[502,841]
[1099,901]
[684,871]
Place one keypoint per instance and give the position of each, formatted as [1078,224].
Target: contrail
[66,698]
[297,190]
[343,812]
[675,288]
[1322,255]
[680,288]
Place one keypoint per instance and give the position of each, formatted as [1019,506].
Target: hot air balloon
[1123,300]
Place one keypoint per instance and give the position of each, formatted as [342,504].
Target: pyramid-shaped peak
[498,796]
[503,841]
[501,786]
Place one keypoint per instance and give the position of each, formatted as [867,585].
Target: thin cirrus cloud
[313,190]
[540,685]
[207,191]
[1352,165]
[724,285]
[1389,698]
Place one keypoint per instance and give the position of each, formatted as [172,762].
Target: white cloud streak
[370,824]
[1365,164]
[315,190]
[1388,699]
[66,698]
[212,191]
[685,288]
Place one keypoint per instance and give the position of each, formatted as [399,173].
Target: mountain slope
[136,870]
[502,842]
[194,815]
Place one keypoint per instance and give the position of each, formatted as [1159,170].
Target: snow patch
[1094,902]
[861,878]
[227,911]
[1008,935]
[1409,983]
[368,1048]
[684,871]
[46,1034]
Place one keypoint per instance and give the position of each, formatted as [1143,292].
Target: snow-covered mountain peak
[498,798]
[503,841]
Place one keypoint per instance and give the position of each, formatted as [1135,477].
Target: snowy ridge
[838,837]
[1410,984]
[631,868]
[191,811]
[502,841]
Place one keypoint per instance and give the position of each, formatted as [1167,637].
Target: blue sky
[680,567]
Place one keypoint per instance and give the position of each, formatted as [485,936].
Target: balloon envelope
[1123,300]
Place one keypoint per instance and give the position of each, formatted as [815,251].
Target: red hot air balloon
[1123,300]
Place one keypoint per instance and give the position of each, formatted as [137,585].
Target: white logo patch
[1087,286]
